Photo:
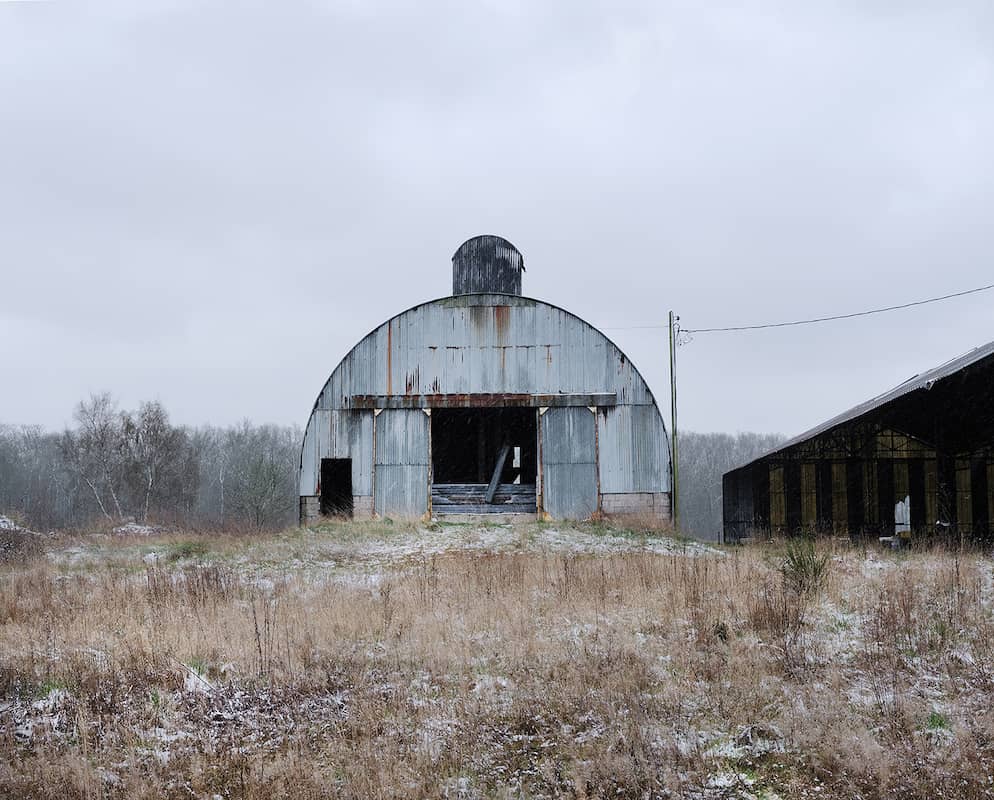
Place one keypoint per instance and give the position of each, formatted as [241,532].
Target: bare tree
[704,458]
[154,453]
[93,450]
[117,463]
[263,467]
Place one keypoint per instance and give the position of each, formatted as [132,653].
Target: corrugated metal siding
[308,479]
[484,343]
[338,434]
[633,450]
[487,344]
[569,463]
[402,463]
[487,264]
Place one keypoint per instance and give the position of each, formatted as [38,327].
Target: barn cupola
[487,265]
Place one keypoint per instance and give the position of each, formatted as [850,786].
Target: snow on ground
[359,554]
[7,524]
[510,537]
[134,529]
[362,561]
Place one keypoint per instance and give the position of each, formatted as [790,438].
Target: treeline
[120,465]
[704,458]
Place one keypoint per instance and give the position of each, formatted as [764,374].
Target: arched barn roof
[376,365]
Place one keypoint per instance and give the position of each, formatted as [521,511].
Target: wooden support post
[495,480]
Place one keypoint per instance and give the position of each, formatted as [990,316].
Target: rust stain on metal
[548,354]
[502,320]
[488,400]
[478,316]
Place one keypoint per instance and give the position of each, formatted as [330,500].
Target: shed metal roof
[924,380]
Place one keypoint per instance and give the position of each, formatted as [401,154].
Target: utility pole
[673,450]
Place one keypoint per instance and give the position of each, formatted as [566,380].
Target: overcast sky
[210,206]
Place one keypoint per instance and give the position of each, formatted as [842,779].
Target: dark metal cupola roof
[487,265]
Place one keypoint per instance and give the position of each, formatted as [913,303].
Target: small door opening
[336,487]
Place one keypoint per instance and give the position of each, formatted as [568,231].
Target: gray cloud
[210,206]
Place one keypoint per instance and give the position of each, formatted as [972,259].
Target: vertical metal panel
[738,514]
[916,492]
[308,478]
[402,462]
[979,491]
[569,463]
[633,452]
[855,497]
[824,495]
[792,496]
[361,452]
[885,496]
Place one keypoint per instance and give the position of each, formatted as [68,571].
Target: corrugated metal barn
[917,460]
[483,402]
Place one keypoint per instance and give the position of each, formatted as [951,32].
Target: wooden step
[470,498]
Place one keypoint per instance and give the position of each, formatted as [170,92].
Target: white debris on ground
[7,524]
[194,682]
[134,529]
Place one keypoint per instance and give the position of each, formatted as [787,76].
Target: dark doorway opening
[484,460]
[336,487]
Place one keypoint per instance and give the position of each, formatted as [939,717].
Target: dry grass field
[395,660]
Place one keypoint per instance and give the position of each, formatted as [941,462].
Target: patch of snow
[727,780]
[195,683]
[7,524]
[134,529]
[962,655]
[52,702]
[494,689]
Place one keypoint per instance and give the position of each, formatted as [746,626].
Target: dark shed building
[916,460]
[485,401]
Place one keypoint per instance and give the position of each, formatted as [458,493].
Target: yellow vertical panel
[931,493]
[901,484]
[778,503]
[964,494]
[809,502]
[840,501]
[870,492]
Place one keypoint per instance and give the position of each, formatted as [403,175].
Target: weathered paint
[600,434]
[435,349]
[487,264]
[482,400]
[569,463]
[402,463]
[630,457]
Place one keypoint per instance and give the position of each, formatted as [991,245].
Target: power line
[816,319]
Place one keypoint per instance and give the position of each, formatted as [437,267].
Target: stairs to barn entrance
[471,498]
